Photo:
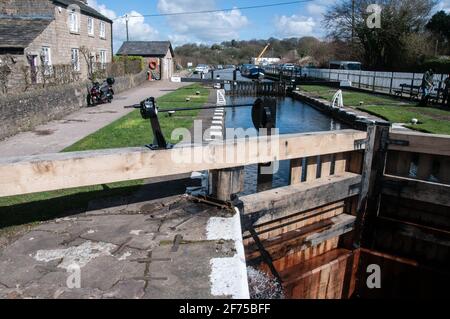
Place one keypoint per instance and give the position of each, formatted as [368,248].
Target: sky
[295,20]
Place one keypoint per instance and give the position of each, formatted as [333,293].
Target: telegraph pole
[353,19]
[126,23]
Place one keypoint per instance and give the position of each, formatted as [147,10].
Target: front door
[32,61]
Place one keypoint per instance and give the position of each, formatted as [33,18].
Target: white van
[201,68]
[345,65]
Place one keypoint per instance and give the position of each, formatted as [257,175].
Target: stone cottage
[36,33]
[159,56]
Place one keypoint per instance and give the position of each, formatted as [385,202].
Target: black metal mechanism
[248,225]
[149,110]
[264,117]
[264,113]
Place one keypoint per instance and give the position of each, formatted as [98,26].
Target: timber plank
[326,165]
[67,170]
[293,274]
[340,163]
[311,168]
[281,202]
[417,190]
[306,237]
[296,171]
[421,143]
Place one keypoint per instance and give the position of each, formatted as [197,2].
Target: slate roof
[84,8]
[146,48]
[19,33]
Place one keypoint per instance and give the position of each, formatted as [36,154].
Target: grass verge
[128,131]
[431,119]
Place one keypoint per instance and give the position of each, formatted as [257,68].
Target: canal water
[292,116]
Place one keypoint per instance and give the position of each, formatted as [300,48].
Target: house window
[74,24]
[46,60]
[46,56]
[76,59]
[90,26]
[103,58]
[102,30]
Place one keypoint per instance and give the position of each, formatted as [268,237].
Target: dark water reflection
[292,117]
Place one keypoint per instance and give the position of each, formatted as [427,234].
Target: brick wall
[26,111]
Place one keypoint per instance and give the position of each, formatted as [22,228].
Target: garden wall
[25,111]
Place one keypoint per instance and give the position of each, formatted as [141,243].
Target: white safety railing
[376,80]
[338,99]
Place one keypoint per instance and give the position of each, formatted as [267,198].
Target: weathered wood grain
[66,170]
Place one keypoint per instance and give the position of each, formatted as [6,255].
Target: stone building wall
[57,36]
[61,41]
[24,8]
[25,111]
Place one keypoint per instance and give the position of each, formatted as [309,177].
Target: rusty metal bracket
[360,143]
[267,259]
[355,186]
[398,142]
[212,201]
[264,254]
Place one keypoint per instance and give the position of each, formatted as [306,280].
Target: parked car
[220,67]
[288,67]
[201,69]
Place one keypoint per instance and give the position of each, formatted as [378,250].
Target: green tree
[439,25]
[384,47]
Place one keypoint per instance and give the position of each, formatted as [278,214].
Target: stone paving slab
[150,249]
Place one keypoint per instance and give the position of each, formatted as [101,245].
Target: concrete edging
[345,115]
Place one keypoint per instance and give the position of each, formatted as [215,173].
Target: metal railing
[395,83]
[388,82]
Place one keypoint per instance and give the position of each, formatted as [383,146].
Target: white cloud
[316,9]
[295,26]
[138,29]
[444,5]
[206,27]
[309,23]
[178,39]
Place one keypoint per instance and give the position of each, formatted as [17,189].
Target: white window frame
[75,63]
[91,26]
[47,61]
[102,57]
[102,30]
[74,22]
[47,53]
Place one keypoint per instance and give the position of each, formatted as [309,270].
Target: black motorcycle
[101,93]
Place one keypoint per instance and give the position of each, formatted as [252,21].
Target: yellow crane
[261,54]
